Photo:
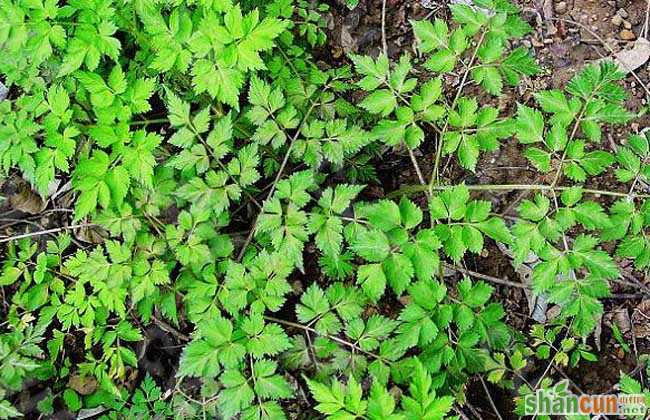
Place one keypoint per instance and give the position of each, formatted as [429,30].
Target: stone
[627,35]
[617,20]
[622,13]
[561,7]
[630,59]
[627,25]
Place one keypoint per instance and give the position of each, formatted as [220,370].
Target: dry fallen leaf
[91,234]
[537,305]
[348,42]
[27,201]
[84,385]
[621,318]
[632,59]
[641,319]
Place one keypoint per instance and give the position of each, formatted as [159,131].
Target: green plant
[230,179]
[628,385]
[19,358]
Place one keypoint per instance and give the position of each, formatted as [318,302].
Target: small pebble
[627,35]
[620,353]
[627,25]
[617,20]
[623,13]
[561,7]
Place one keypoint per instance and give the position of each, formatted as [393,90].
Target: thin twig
[384,43]
[647,19]
[487,392]
[636,351]
[561,372]
[626,296]
[45,232]
[418,171]
[414,189]
[166,327]
[474,410]
[632,282]
[484,276]
[13,222]
[460,413]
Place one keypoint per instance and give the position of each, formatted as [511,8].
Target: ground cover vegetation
[229,173]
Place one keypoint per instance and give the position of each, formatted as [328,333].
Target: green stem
[154,121]
[414,189]
[331,337]
[280,172]
[436,167]
[578,120]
